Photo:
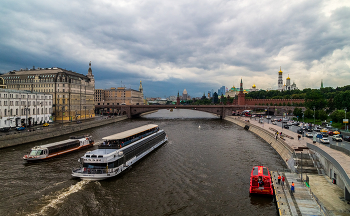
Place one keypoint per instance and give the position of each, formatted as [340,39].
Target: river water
[200,171]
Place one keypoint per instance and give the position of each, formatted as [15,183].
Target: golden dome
[288,77]
[254,86]
[280,71]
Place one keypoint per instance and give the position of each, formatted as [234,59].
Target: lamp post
[314,116]
[345,117]
[268,114]
[62,113]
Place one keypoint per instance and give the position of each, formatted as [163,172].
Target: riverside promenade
[322,197]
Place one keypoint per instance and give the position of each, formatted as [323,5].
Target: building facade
[24,108]
[72,93]
[119,96]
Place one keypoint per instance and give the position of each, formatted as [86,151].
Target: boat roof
[260,170]
[129,133]
[58,143]
[100,152]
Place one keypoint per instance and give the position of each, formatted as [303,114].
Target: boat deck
[101,151]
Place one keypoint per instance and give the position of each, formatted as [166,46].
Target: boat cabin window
[265,173]
[87,156]
[36,152]
[256,171]
[95,165]
[100,156]
[94,156]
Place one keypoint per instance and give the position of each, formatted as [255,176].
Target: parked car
[324,134]
[20,128]
[346,138]
[5,129]
[274,123]
[324,140]
[309,134]
[337,138]
[300,131]
[286,126]
[46,125]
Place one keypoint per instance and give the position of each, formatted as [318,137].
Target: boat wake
[61,196]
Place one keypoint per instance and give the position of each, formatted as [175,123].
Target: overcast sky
[172,45]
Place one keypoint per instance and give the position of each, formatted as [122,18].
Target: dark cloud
[195,43]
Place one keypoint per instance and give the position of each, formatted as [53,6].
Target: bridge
[220,110]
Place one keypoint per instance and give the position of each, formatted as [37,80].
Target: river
[203,169]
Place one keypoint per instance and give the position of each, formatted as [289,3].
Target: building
[119,96]
[280,80]
[72,93]
[221,91]
[184,95]
[287,86]
[233,92]
[24,108]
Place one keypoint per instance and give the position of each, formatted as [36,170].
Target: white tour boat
[58,148]
[119,151]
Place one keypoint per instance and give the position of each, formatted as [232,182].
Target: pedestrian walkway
[302,197]
[330,196]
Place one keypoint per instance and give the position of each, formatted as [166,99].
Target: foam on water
[61,196]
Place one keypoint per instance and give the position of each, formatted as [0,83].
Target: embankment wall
[281,147]
[45,133]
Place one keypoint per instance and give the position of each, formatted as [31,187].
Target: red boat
[260,181]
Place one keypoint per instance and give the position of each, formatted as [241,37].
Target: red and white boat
[58,148]
[260,181]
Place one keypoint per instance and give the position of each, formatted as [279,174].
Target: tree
[338,116]
[309,113]
[322,115]
[298,112]
[215,98]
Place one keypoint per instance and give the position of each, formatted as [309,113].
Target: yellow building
[72,93]
[119,96]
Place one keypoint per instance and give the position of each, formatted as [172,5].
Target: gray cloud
[196,43]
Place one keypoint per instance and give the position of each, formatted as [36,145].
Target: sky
[196,45]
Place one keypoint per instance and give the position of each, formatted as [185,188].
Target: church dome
[288,77]
[280,72]
[254,86]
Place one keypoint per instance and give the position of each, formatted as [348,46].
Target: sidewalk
[329,195]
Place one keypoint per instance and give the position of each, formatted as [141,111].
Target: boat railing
[94,171]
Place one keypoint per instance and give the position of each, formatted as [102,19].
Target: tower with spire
[321,83]
[280,80]
[241,95]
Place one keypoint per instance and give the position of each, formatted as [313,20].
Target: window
[5,112]
[16,111]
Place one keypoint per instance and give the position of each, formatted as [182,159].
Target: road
[293,128]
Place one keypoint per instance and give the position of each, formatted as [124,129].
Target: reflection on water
[199,171]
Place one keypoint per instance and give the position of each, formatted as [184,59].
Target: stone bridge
[220,110]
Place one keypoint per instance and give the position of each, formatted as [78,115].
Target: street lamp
[345,117]
[268,113]
[314,116]
[62,113]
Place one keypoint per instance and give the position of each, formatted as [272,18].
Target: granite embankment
[282,148]
[45,133]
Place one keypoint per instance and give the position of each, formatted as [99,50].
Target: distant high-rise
[184,95]
[221,91]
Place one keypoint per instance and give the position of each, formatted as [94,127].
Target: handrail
[94,171]
[333,161]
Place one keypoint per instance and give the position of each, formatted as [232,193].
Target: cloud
[198,45]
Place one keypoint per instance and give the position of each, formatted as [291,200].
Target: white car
[309,135]
[324,140]
[274,123]
[337,138]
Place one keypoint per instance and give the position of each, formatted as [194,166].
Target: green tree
[322,115]
[297,112]
[309,113]
[338,116]
[215,97]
